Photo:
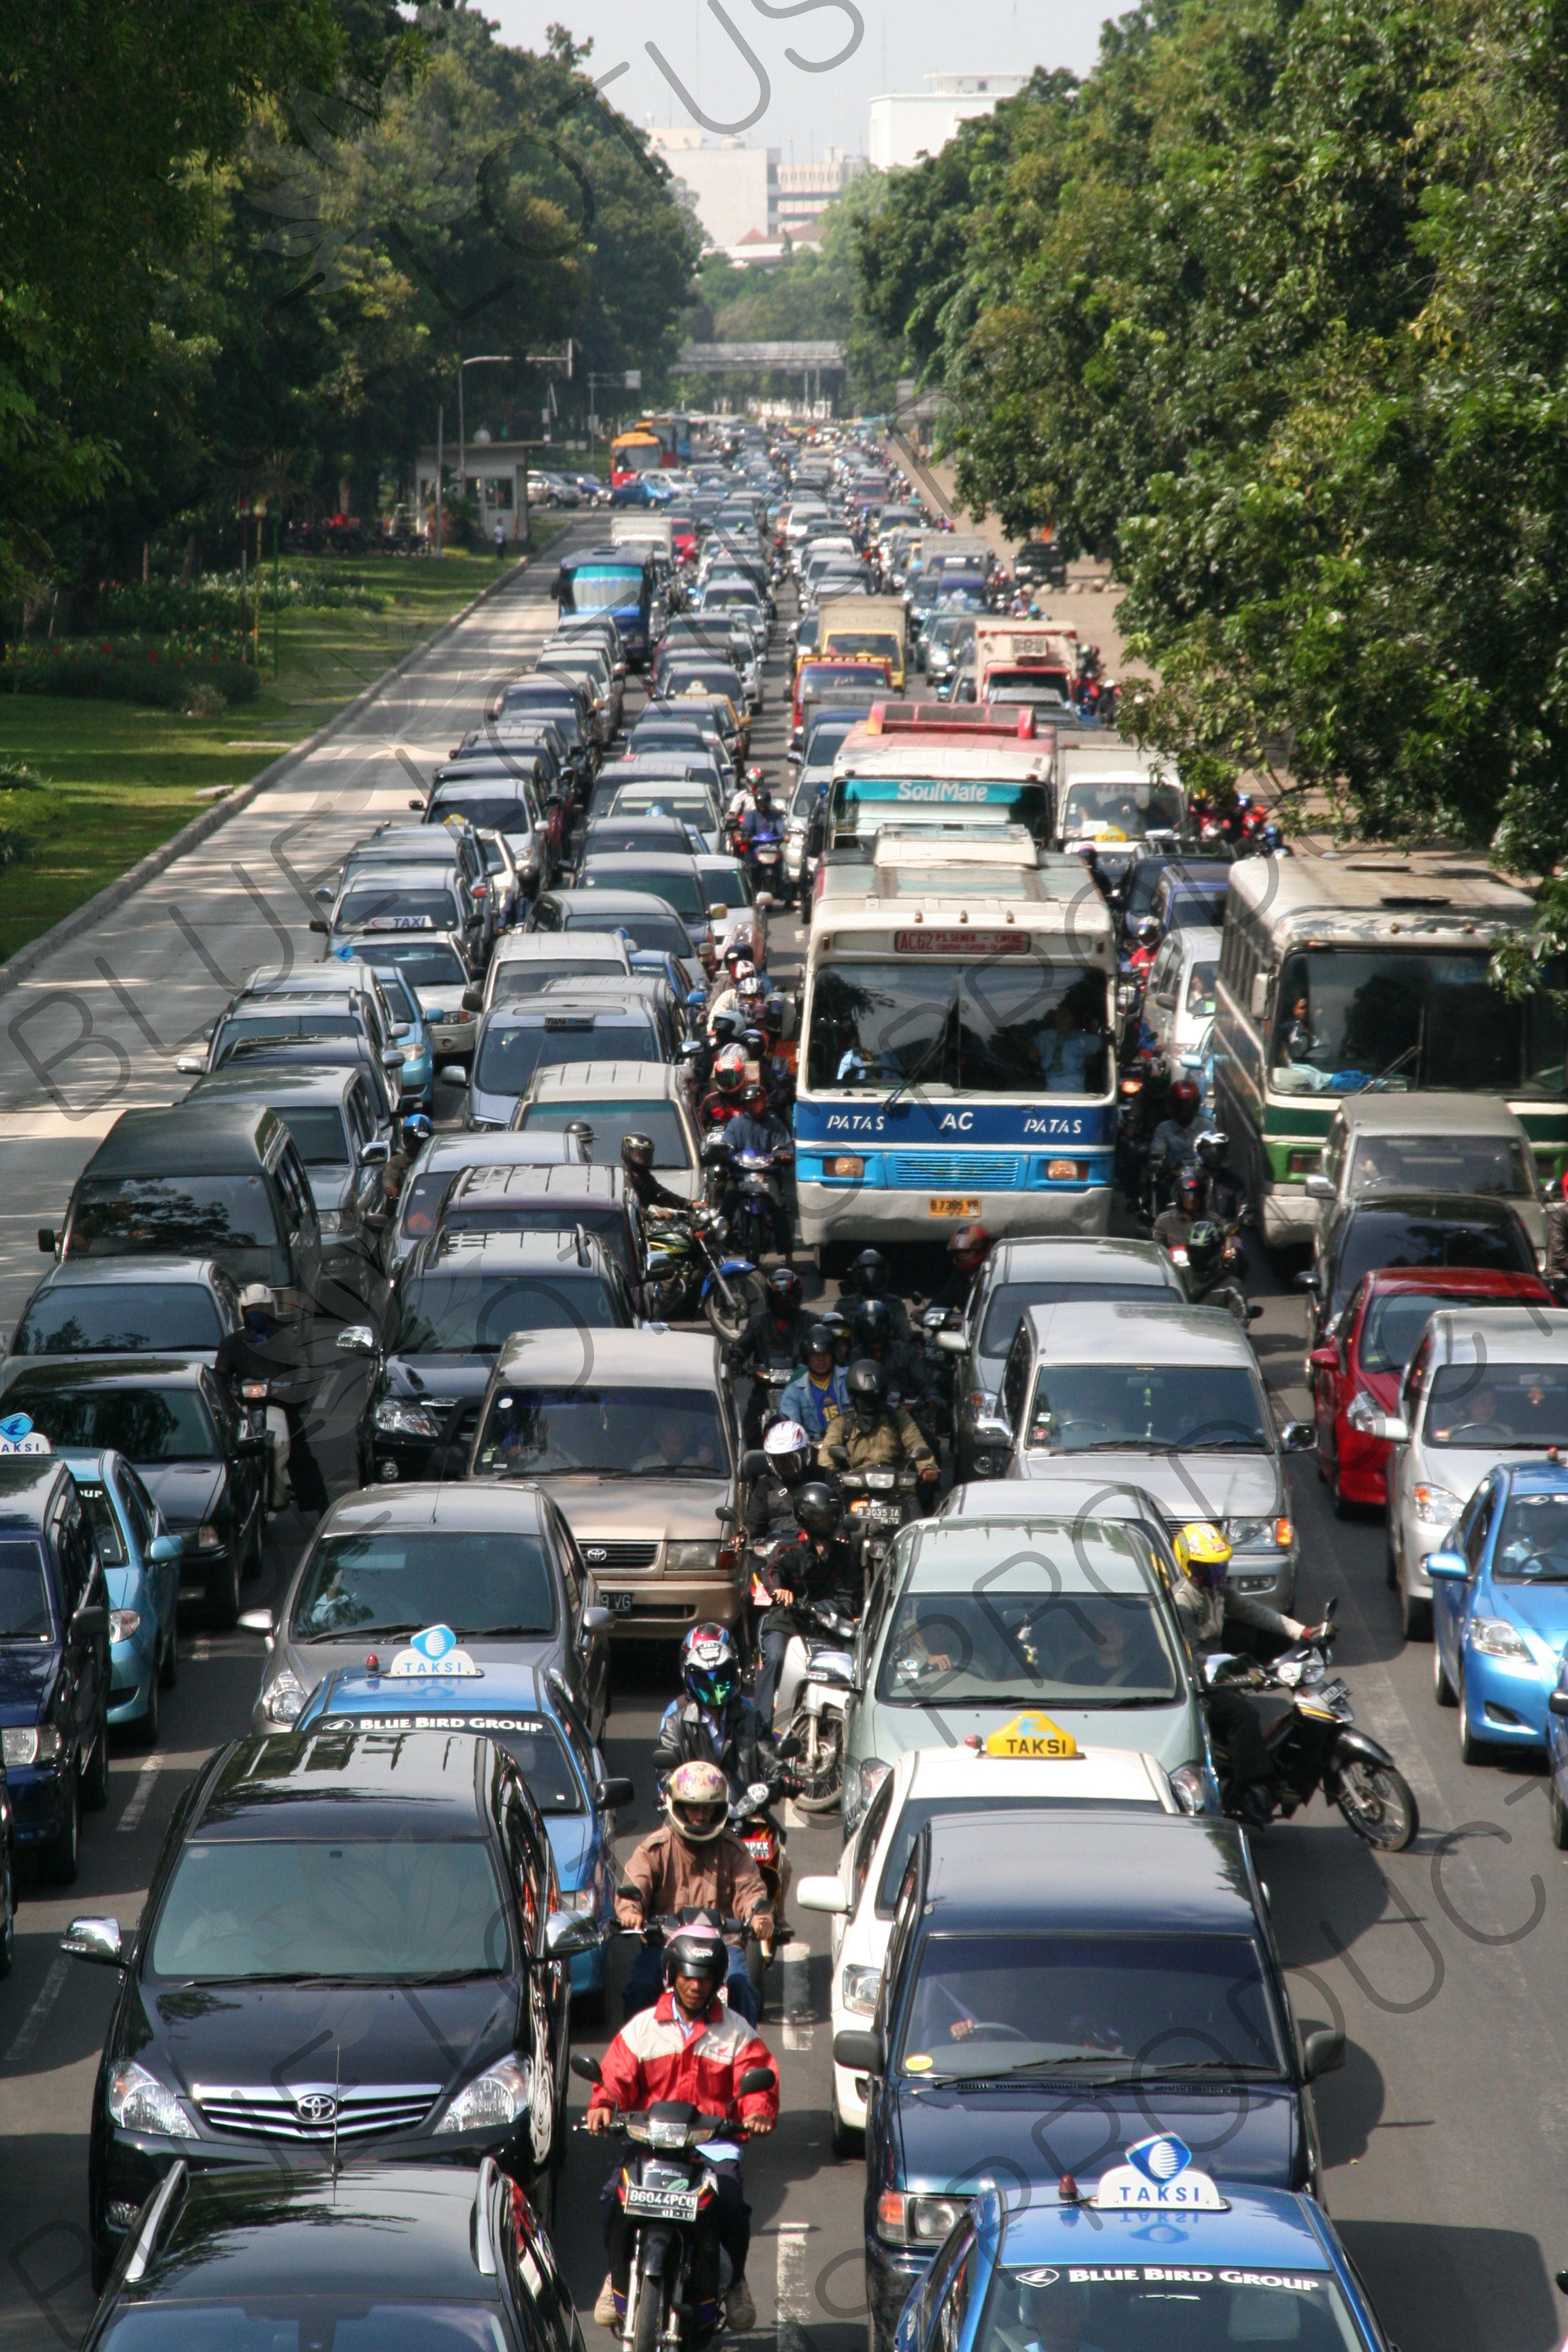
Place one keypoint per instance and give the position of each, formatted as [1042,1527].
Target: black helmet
[783,1290]
[1211,1148]
[819,1339]
[873,1323]
[1205,1246]
[1189,1192]
[839,1329]
[868,1274]
[816,1509]
[697,1951]
[865,1384]
[636,1152]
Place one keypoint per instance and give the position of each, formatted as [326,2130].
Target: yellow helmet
[1202,1552]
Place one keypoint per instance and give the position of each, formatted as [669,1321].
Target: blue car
[141,1571]
[1154,2262]
[411,1030]
[534,1717]
[1499,1609]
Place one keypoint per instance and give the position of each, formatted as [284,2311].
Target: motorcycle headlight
[138,2102]
[30,1744]
[1495,1638]
[400,1419]
[122,1624]
[691,1558]
[283,1697]
[497,2096]
[859,1991]
[1435,1507]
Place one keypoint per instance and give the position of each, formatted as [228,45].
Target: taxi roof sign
[1158,2177]
[1034,1735]
[17,1435]
[433,1651]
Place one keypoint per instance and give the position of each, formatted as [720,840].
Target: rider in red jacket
[688,2046]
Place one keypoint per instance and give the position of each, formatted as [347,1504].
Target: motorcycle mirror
[753,1463]
[788,1748]
[839,1456]
[754,2079]
[586,2067]
[723,1512]
[1253,1312]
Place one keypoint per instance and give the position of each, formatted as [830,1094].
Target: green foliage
[162,673]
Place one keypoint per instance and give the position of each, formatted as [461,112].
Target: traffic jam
[715,1353]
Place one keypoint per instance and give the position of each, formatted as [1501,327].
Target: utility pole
[440,415]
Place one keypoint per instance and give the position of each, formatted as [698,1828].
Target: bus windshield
[1120,808]
[972,1029]
[862,805]
[1349,1018]
[599,587]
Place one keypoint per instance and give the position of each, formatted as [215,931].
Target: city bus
[621,581]
[1369,971]
[956,1059]
[653,445]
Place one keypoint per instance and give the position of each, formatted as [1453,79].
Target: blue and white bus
[956,1058]
[621,581]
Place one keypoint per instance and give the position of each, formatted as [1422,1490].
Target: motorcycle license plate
[620,1603]
[952,1204]
[663,2204]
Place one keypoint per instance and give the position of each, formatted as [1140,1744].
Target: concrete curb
[27,959]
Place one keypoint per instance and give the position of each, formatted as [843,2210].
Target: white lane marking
[145,1780]
[793,2293]
[794,1818]
[32,2025]
[799,2021]
[201,1649]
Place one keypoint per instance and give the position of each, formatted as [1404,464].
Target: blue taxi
[1500,1608]
[141,1572]
[434,1685]
[1153,2263]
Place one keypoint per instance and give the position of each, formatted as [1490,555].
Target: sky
[802,114]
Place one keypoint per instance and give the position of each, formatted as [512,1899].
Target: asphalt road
[1446,2135]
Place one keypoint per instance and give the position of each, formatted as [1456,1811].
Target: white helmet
[697,1801]
[256,1294]
[788,1449]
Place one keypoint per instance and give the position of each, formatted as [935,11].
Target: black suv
[351,1946]
[54,1670]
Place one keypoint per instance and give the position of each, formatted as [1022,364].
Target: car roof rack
[147,2236]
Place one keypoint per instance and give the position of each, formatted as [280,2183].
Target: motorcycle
[1309,1727]
[815,1685]
[687,1272]
[663,2192]
[877,1504]
[754,1218]
[751,1821]
[765,860]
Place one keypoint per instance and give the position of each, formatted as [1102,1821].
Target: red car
[1357,1371]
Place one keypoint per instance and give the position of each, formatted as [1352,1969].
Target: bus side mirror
[1257,1003]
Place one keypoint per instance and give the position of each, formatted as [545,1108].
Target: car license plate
[668,2204]
[621,1603]
[952,1204]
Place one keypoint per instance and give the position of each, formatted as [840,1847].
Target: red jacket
[653,2057]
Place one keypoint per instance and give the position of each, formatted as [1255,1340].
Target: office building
[734,189]
[907,124]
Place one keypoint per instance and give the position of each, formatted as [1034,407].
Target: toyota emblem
[315,2106]
[595,1551]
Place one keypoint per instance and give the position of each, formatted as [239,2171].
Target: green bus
[1369,969]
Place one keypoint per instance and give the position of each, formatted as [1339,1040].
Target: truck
[1011,658]
[655,530]
[865,629]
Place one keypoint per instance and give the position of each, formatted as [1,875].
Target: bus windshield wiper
[921,1065]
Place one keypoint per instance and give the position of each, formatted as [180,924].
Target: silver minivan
[1484,1385]
[1167,1399]
[1429,1143]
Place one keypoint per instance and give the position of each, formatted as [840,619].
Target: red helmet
[730,1070]
[969,1248]
[1185,1095]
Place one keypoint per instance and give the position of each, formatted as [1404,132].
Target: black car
[454,1302]
[1419,1229]
[54,1669]
[129,1306]
[345,1141]
[194,1452]
[1059,1985]
[363,2257]
[352,1944]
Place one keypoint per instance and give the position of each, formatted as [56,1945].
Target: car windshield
[519,978]
[1532,1542]
[475,1313]
[682,889]
[1347,1017]
[1441,1163]
[120,1318]
[1395,1319]
[24,1591]
[146,1424]
[662,933]
[1124,809]
[1192,1409]
[918,1810]
[1195,911]
[291,2322]
[1494,1405]
[611,1123]
[428,963]
[387,1582]
[179,1215]
[1000,1647]
[257,1909]
[1010,1300]
[319,1136]
[510,1051]
[1149,2307]
[862,805]
[383,906]
[1013,1028]
[622,1432]
[1117,2005]
[486,809]
[1496,1243]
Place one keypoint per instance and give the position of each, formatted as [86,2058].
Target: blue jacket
[803,1403]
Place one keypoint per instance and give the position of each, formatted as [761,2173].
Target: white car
[928,1780]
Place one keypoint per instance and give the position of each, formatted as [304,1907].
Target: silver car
[1168,1399]
[1484,1385]
[1429,1143]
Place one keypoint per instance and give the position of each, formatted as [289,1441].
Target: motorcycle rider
[414,1132]
[876,1343]
[688,2046]
[754,1128]
[1173,1225]
[637,1161]
[1209,1281]
[820,1384]
[773,1341]
[722,1103]
[872,1434]
[870,1278]
[260,1351]
[817,1567]
[714,1722]
[738,966]
[1226,1195]
[693,1862]
[1207,1610]
[967,1251]
[770,1505]
[1174,1145]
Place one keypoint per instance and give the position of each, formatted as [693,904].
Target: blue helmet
[710,1668]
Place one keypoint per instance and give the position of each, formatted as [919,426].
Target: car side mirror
[95,1939]
[163,1548]
[1325,1360]
[569,1932]
[320,923]
[417,804]
[1254,1312]
[191,1066]
[1557,1702]
[861,2051]
[1298,1437]
[618,1790]
[1311,1280]
[256,1621]
[90,1620]
[725,1514]
[1322,2053]
[1318,1188]
[597,1621]
[375,1153]
[449,1075]
[827,1894]
[951,1343]
[355,1339]
[1447,1568]
[1391,1426]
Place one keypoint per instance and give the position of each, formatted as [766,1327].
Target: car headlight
[415,1053]
[30,1744]
[691,1558]
[330,1219]
[138,2102]
[283,1697]
[1435,1507]
[497,2096]
[903,2221]
[1189,1788]
[209,1536]
[584,1900]
[1259,1535]
[859,1791]
[859,1990]
[1495,1638]
[401,1420]
[122,1624]
[1363,1411]
[460,1019]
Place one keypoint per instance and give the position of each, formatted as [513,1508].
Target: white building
[805,190]
[733,188]
[908,125]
